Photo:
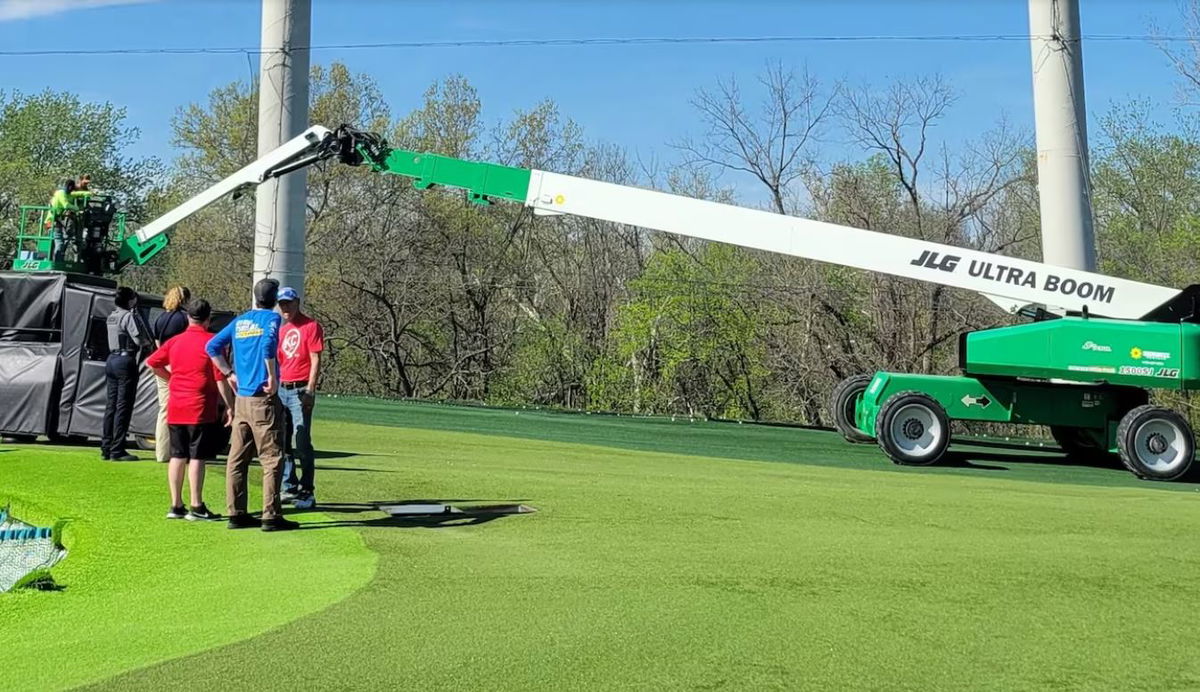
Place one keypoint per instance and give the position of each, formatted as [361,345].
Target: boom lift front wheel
[845,404]
[1156,443]
[912,429]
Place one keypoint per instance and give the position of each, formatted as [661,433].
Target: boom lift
[1082,367]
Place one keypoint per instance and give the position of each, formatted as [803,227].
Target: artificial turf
[136,589]
[702,564]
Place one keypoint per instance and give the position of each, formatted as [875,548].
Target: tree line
[425,295]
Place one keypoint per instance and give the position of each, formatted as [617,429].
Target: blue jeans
[297,442]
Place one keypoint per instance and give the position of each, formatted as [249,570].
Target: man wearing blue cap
[301,341]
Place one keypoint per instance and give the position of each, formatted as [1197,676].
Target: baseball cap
[287,293]
[266,292]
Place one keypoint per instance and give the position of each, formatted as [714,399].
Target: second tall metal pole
[1061,122]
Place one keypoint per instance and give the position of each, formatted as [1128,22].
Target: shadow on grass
[967,460]
[333,454]
[1051,458]
[463,516]
[1051,455]
[359,507]
[960,458]
[46,584]
[435,521]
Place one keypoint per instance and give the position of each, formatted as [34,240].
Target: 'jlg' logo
[930,259]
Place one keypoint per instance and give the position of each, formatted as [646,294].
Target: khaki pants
[257,424]
[162,434]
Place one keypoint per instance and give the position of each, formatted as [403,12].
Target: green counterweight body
[1155,355]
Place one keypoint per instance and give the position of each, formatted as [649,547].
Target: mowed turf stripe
[139,589]
[778,443]
[658,571]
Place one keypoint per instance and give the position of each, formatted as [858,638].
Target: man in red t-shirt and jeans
[194,383]
[301,341]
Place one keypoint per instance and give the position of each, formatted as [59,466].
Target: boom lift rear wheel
[1156,443]
[845,402]
[912,428]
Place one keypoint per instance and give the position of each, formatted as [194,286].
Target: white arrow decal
[981,401]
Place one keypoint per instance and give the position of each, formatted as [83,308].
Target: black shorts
[188,441]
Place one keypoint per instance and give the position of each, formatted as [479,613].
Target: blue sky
[634,96]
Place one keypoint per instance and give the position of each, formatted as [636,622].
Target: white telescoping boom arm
[256,173]
[1010,282]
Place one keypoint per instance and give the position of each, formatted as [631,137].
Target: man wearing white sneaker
[301,341]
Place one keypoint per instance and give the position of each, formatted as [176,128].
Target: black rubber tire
[1077,443]
[1127,431]
[845,396]
[883,426]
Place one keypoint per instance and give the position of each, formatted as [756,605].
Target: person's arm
[314,372]
[226,391]
[272,349]
[316,344]
[158,362]
[216,352]
[272,385]
[138,330]
[157,330]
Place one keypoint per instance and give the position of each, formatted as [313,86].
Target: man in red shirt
[301,341]
[194,385]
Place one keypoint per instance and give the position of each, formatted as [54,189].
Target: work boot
[279,524]
[243,521]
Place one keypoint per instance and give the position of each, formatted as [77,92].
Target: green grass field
[664,555]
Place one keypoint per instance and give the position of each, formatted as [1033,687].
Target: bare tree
[774,144]
[896,124]
[1185,55]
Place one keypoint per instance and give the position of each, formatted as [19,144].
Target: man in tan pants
[257,424]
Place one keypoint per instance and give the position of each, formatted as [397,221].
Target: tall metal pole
[282,114]
[1061,122]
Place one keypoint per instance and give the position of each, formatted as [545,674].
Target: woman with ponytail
[171,323]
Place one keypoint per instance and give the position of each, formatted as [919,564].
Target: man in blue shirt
[253,338]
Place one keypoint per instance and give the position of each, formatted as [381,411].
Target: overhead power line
[618,41]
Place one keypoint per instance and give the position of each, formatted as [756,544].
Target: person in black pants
[127,337]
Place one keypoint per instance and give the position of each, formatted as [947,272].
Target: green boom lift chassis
[1085,378]
[1083,374]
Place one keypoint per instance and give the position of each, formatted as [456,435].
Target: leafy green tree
[688,340]
[1146,197]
